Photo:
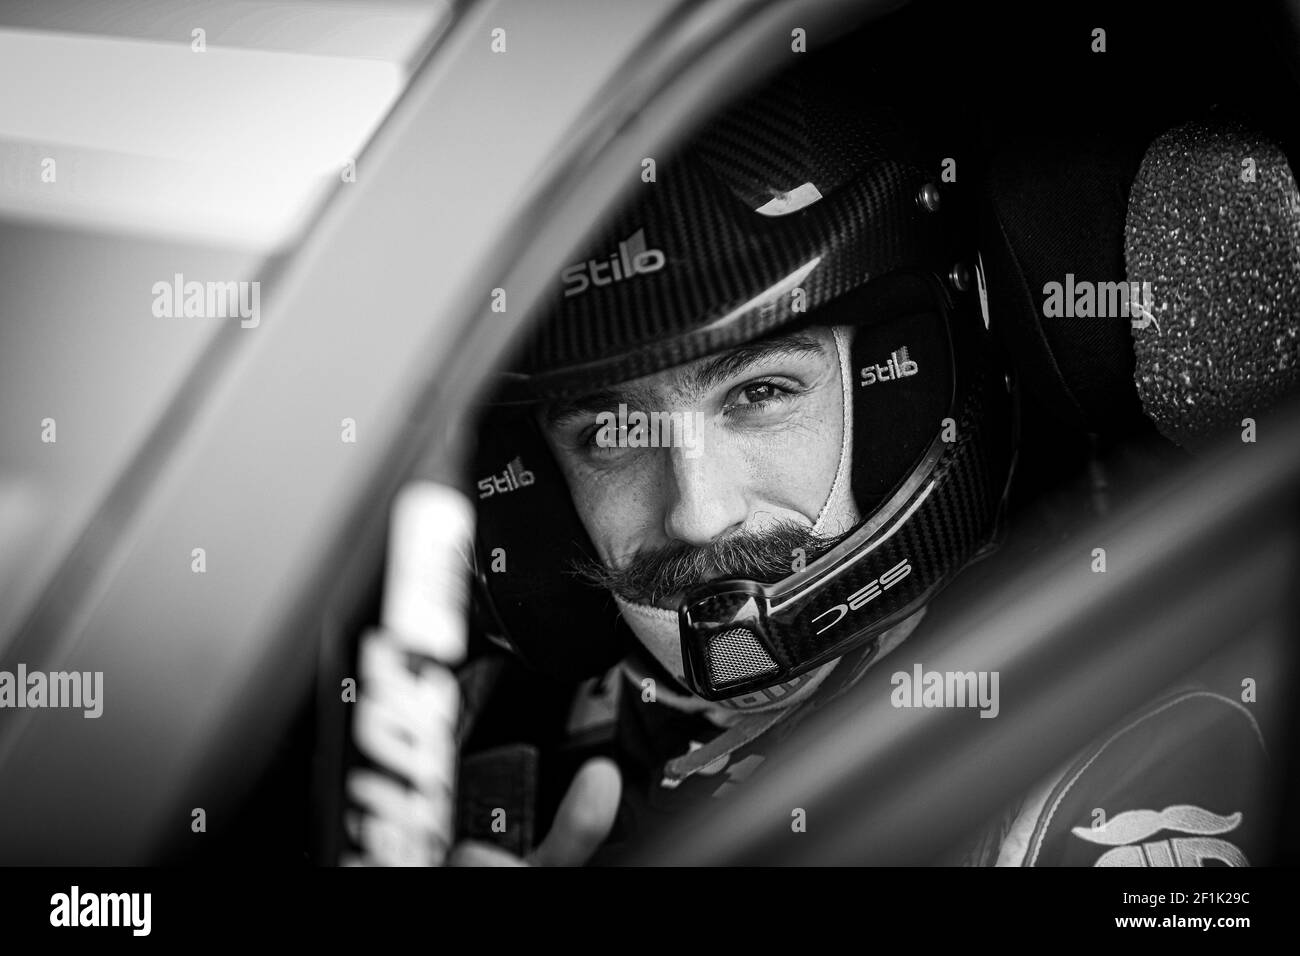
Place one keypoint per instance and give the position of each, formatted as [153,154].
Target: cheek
[794,467]
[614,506]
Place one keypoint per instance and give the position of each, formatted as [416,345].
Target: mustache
[764,556]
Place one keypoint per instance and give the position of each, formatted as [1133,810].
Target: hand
[582,823]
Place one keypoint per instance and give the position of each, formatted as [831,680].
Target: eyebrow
[730,364]
[606,398]
[708,375]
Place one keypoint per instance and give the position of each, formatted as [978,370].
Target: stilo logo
[514,477]
[631,260]
[899,365]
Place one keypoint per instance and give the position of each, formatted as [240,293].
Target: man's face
[753,442]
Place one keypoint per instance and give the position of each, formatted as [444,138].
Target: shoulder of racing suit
[1179,782]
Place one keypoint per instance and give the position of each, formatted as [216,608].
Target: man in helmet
[763,426]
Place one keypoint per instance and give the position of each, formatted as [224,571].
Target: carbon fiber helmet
[796,207]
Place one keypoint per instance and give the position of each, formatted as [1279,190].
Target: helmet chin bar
[740,636]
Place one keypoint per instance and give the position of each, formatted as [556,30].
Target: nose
[706,496]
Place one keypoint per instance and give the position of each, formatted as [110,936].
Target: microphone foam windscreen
[1214,227]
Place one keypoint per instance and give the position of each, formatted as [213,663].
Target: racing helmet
[798,206]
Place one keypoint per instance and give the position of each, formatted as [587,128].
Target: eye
[761,392]
[756,395]
[588,439]
[590,443]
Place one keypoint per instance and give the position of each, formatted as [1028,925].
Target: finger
[585,817]
[475,853]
